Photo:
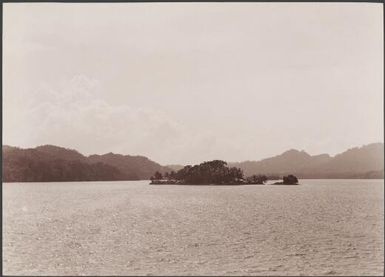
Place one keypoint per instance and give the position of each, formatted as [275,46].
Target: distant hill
[138,167]
[175,167]
[50,163]
[60,152]
[359,162]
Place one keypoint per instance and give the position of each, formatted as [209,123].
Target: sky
[182,83]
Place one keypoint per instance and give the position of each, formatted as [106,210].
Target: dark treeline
[212,172]
[288,180]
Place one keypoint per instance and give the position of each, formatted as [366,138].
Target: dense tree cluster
[212,172]
[257,179]
[215,172]
[290,180]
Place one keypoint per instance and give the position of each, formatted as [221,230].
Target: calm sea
[321,227]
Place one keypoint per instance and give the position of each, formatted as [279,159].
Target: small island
[214,172]
[288,180]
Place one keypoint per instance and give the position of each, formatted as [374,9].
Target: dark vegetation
[213,172]
[257,179]
[288,180]
[54,164]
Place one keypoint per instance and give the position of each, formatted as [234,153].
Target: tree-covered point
[257,179]
[288,180]
[215,172]
[212,172]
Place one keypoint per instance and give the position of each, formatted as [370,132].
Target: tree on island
[211,172]
[290,180]
[214,172]
[157,176]
[257,179]
[172,174]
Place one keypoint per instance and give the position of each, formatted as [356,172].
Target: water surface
[320,227]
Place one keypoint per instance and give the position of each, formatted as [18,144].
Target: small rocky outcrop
[288,180]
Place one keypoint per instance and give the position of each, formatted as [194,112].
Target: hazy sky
[188,82]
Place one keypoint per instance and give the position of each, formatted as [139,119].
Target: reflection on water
[131,228]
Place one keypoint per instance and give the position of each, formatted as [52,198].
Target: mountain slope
[33,165]
[175,167]
[50,163]
[137,167]
[364,162]
[363,159]
[60,153]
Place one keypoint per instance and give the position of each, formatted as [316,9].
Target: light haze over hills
[359,162]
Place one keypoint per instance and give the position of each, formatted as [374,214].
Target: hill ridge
[352,163]
[51,163]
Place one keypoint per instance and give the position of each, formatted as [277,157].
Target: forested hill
[359,162]
[50,163]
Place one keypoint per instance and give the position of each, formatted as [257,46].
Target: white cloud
[75,115]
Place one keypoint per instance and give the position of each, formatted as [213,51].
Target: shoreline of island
[215,173]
